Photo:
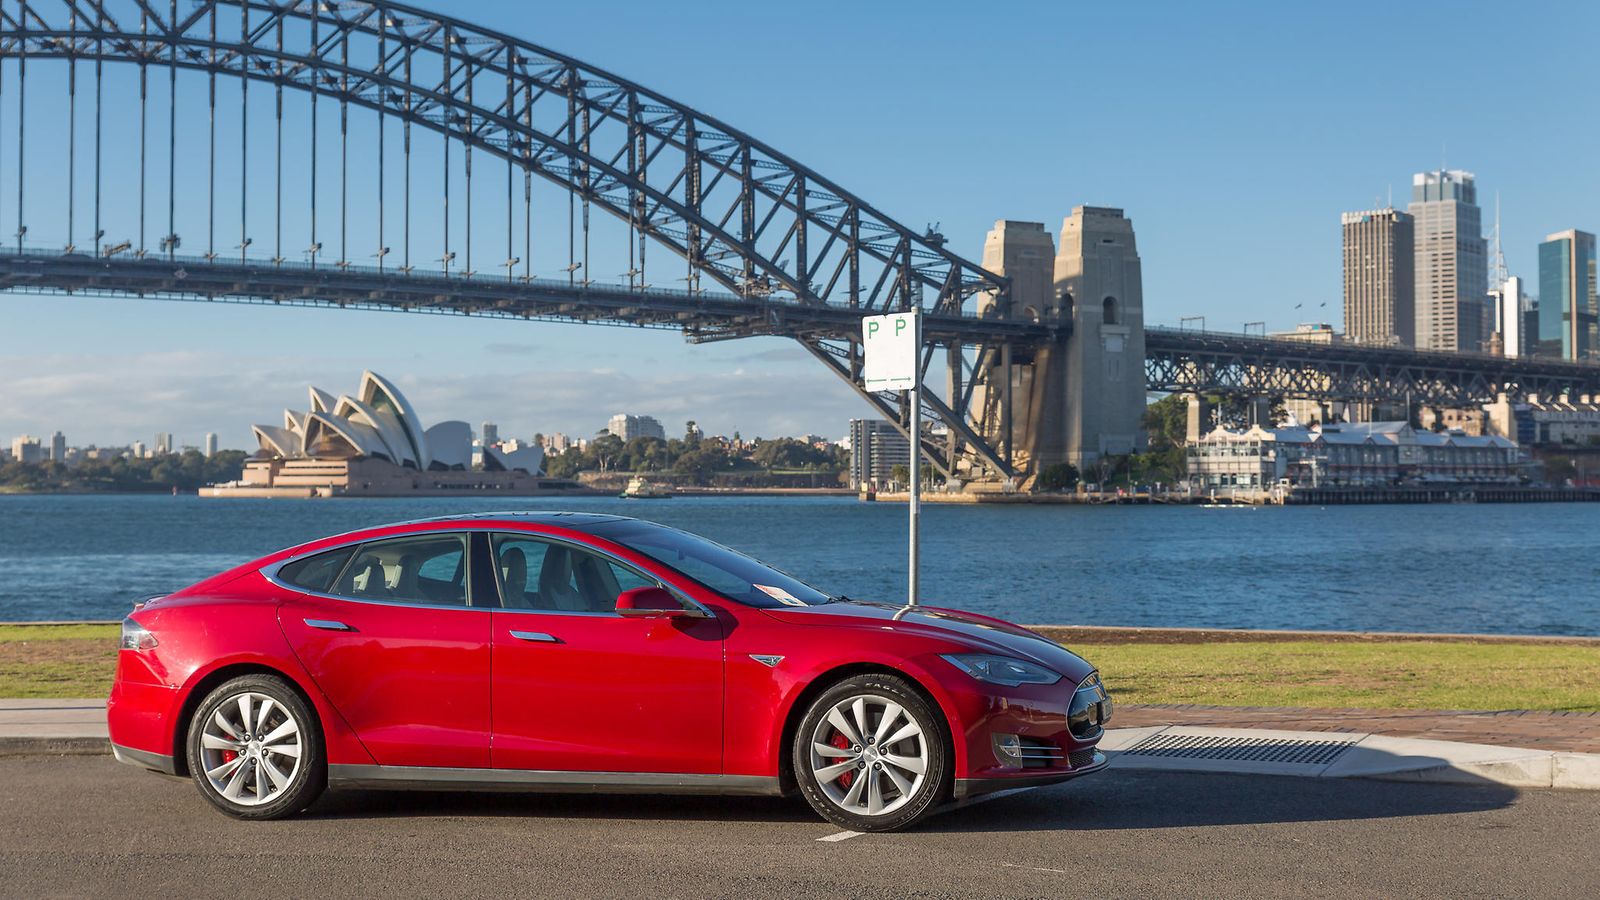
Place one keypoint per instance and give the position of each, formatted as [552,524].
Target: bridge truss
[1186,361]
[765,245]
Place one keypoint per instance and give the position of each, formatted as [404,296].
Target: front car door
[388,631]
[579,688]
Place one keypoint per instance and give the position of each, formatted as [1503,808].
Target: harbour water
[1510,569]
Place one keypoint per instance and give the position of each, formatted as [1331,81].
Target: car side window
[538,574]
[315,573]
[424,568]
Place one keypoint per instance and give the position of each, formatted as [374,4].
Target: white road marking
[1006,865]
[841,836]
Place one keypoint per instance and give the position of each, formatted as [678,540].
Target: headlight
[1001,669]
[135,637]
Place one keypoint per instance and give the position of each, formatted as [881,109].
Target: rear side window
[315,573]
[428,568]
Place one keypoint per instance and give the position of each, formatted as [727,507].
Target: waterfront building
[876,447]
[1563,421]
[26,449]
[58,447]
[1451,265]
[1379,277]
[627,427]
[373,443]
[1567,296]
[211,444]
[1345,454]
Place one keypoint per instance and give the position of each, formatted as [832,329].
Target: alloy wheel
[869,755]
[251,749]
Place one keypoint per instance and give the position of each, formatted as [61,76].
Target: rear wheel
[871,754]
[254,749]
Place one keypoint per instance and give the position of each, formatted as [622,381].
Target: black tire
[262,796]
[906,808]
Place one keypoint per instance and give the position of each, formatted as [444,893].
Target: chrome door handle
[537,637]
[328,625]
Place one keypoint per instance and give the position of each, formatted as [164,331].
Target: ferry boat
[640,489]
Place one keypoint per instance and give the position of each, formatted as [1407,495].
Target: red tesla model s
[581,652]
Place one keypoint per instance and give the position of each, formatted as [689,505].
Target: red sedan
[580,652]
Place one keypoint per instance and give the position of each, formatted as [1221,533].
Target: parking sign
[890,345]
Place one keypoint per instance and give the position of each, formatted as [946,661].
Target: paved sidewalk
[1577,732]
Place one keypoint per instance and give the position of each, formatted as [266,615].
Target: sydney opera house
[373,444]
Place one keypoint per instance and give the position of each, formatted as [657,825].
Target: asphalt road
[87,826]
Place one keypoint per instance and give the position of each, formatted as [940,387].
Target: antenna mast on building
[1499,274]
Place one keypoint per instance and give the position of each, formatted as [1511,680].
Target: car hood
[983,634]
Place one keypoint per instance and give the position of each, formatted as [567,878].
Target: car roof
[577,521]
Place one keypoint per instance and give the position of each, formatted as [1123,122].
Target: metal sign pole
[915,500]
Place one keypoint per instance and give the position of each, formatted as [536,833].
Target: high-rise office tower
[1379,282]
[1568,309]
[163,443]
[1452,278]
[211,444]
[491,433]
[58,447]
[1509,306]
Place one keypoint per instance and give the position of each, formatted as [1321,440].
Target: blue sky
[1233,134]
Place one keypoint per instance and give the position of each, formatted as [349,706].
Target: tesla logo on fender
[766,659]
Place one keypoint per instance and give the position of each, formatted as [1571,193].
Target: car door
[397,647]
[579,688]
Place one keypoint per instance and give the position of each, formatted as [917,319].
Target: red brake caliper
[843,743]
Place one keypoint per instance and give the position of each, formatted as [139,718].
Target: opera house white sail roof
[378,422]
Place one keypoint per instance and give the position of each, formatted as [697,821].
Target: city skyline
[1196,152]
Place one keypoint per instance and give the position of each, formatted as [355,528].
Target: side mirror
[653,602]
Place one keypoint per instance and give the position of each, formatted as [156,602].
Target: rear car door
[579,688]
[391,637]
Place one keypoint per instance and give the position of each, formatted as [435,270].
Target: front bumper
[972,787]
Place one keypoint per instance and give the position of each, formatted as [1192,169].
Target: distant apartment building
[491,433]
[26,449]
[628,427]
[1567,296]
[1379,277]
[58,447]
[1515,318]
[163,444]
[876,447]
[1563,421]
[1451,262]
[1368,454]
[210,448]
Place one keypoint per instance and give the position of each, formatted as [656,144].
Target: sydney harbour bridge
[370,155]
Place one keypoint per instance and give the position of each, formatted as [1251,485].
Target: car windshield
[728,572]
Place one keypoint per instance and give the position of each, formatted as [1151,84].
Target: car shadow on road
[371,804]
[1144,799]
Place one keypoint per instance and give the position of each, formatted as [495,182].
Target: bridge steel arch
[799,255]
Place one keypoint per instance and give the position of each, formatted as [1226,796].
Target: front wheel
[254,749]
[871,754]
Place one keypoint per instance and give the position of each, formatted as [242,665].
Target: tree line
[185,471]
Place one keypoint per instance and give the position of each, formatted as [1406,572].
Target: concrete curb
[1363,756]
[54,746]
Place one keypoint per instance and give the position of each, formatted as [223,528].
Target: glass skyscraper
[1568,308]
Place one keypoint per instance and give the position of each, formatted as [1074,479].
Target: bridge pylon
[1080,396]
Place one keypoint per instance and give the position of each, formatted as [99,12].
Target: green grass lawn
[1397,674]
[78,660]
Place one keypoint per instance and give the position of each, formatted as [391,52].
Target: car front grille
[1080,758]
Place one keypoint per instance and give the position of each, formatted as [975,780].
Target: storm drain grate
[1253,749]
